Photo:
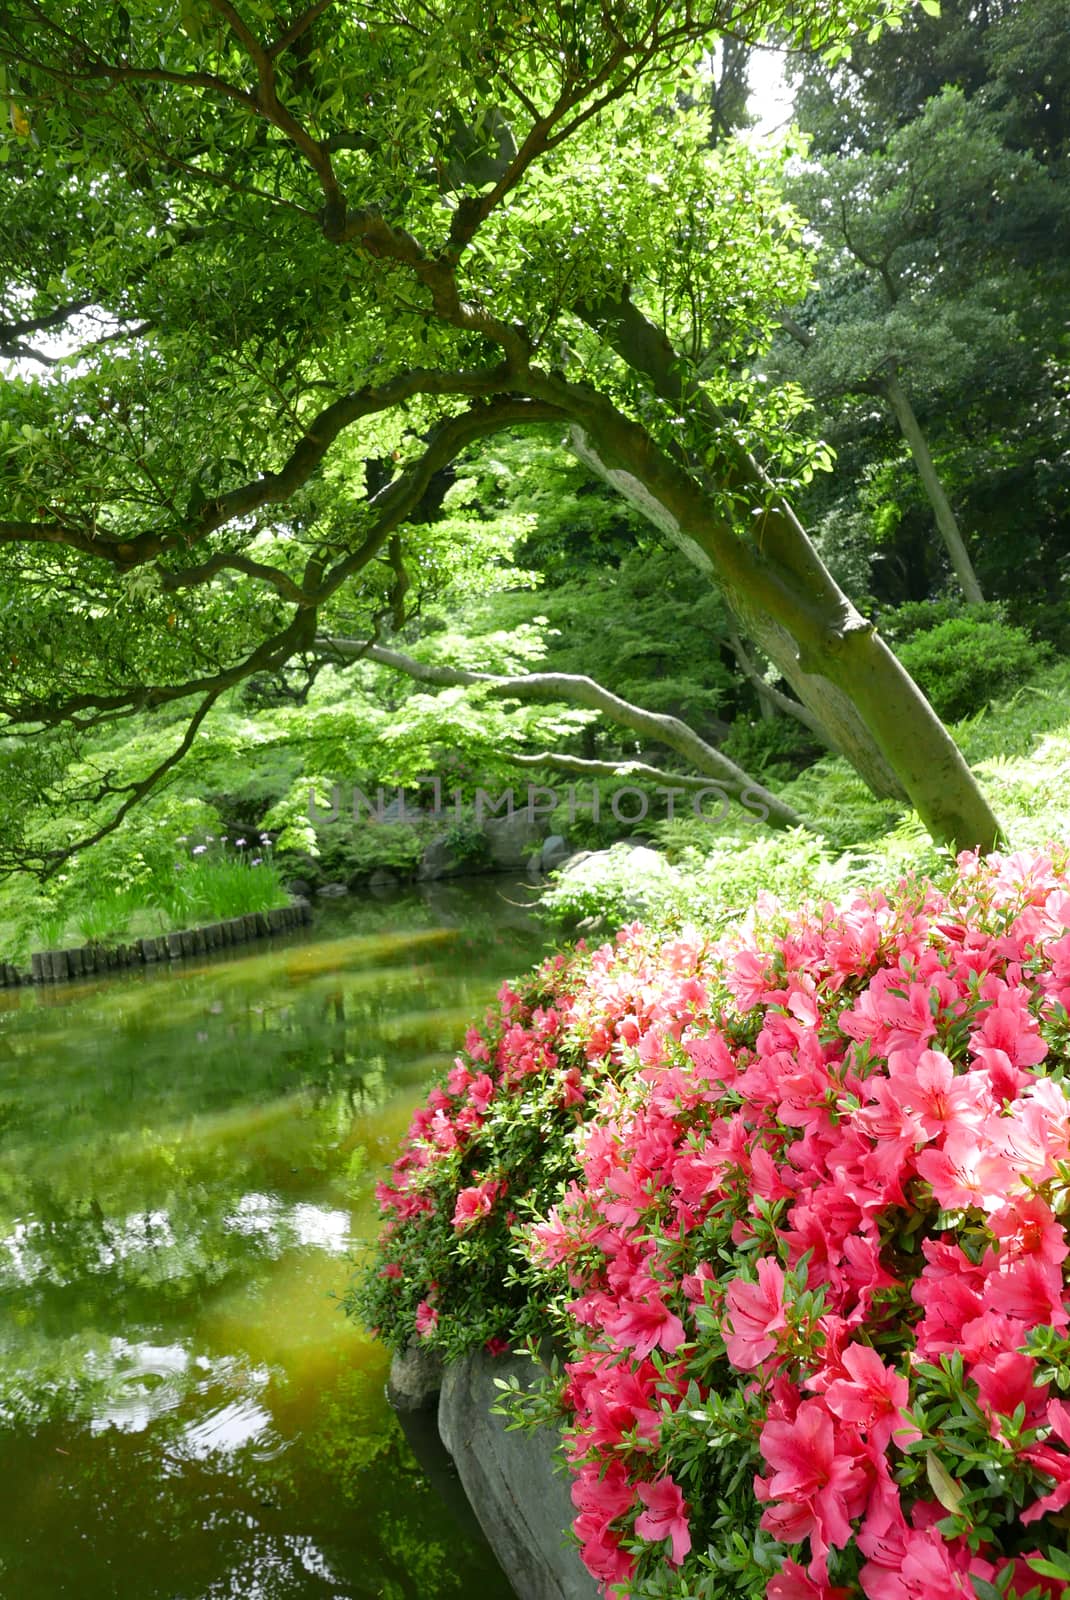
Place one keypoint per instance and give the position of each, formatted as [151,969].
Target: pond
[187,1157]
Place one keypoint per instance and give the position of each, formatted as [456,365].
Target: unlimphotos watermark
[627,805]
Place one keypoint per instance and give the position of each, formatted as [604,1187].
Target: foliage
[610,888]
[492,1136]
[349,849]
[214,882]
[770,747]
[467,842]
[937,185]
[803,1228]
[181,886]
[962,663]
[257,321]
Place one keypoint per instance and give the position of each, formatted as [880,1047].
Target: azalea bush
[794,1203]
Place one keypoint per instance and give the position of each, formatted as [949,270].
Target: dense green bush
[962,663]
[349,849]
[771,747]
[467,842]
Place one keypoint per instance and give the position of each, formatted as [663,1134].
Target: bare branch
[782,702]
[584,768]
[579,690]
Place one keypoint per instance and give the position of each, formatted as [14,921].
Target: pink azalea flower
[822,1485]
[475,1203]
[1027,1226]
[755,1316]
[601,1552]
[643,1325]
[1005,1382]
[665,1517]
[966,1172]
[426,1319]
[793,1583]
[481,1092]
[871,1396]
[607,1494]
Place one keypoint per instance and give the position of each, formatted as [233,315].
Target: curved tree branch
[578,690]
[271,488]
[782,702]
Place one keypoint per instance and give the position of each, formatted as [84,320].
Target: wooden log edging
[57,966]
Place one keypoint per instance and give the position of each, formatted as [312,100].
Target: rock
[438,861]
[554,853]
[383,878]
[415,1378]
[299,886]
[523,1506]
[511,840]
[332,891]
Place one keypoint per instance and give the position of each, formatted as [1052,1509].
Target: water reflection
[186,1167]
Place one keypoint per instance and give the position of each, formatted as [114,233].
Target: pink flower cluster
[832,1152]
[451,1131]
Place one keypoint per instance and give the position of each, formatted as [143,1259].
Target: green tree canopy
[295,261]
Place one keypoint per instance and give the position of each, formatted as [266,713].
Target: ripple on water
[148,1380]
[227,1428]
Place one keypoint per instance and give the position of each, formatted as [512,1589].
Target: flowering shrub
[805,1241]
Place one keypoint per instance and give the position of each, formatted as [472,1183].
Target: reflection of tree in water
[174,1153]
[293,1520]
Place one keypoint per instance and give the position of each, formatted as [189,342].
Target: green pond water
[187,1159]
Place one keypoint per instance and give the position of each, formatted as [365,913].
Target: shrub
[610,888]
[350,849]
[467,842]
[795,1202]
[962,663]
[771,747]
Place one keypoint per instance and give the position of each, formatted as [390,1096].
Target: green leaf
[943,1485]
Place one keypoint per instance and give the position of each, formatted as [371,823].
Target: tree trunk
[768,569]
[946,521]
[836,719]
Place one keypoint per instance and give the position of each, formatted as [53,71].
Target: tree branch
[271,488]
[297,27]
[782,702]
[270,106]
[583,691]
[137,792]
[585,768]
